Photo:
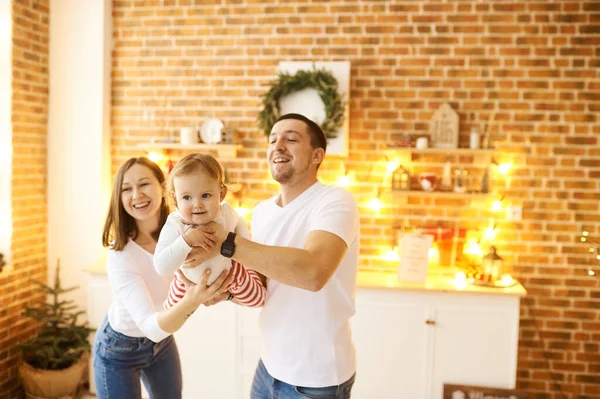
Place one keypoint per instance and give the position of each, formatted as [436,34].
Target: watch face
[227,249]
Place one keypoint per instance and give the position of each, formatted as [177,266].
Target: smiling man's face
[291,156]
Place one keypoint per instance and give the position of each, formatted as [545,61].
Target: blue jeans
[266,387]
[121,361]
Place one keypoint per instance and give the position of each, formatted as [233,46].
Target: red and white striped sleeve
[176,292]
[247,287]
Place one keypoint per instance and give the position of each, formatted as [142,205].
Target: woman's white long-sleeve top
[138,292]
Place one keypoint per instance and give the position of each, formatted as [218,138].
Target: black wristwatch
[228,246]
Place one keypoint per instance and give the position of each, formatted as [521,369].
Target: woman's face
[141,193]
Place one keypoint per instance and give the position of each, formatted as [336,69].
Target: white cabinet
[409,343]
[206,344]
[391,347]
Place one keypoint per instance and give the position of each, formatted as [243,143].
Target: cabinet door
[476,344]
[248,348]
[390,335]
[206,348]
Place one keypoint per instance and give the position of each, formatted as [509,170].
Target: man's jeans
[120,361]
[267,387]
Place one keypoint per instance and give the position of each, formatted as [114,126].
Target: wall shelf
[454,151]
[223,151]
[442,194]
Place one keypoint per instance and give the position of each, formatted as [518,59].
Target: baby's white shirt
[171,249]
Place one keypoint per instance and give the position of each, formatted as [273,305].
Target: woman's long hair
[120,226]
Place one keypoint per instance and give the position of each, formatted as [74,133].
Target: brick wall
[29,127]
[535,64]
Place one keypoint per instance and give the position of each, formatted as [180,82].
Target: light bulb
[504,168]
[375,204]
[497,206]
[392,255]
[243,212]
[155,157]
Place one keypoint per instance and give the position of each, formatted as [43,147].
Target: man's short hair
[317,137]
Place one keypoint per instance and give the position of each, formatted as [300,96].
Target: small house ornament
[444,127]
[401,179]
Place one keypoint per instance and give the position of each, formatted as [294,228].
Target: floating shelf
[222,150]
[466,151]
[441,194]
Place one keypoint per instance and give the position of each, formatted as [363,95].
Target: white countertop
[389,280]
[434,282]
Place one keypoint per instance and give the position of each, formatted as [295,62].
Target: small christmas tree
[61,340]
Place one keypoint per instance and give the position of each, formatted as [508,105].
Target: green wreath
[319,79]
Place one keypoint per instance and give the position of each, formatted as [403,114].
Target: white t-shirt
[307,339]
[138,291]
[171,249]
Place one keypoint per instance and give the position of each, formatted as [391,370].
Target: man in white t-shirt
[306,243]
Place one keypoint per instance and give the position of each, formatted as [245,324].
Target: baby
[196,184]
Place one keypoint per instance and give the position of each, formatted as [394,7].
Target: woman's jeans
[267,387]
[120,361]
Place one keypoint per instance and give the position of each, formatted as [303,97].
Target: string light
[504,168]
[347,178]
[375,203]
[156,157]
[585,237]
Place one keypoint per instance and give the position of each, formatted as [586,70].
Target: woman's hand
[202,293]
[200,236]
[199,255]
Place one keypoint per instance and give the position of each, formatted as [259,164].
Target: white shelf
[222,150]
[441,194]
[425,151]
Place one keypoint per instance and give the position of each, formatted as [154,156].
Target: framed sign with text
[452,391]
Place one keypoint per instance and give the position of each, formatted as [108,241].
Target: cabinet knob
[430,322]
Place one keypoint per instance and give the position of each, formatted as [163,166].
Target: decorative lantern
[401,179]
[493,265]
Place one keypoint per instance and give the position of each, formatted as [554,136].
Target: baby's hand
[200,236]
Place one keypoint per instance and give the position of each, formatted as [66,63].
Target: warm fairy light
[490,233]
[591,272]
[583,239]
[243,212]
[375,204]
[433,255]
[591,249]
[346,180]
[585,233]
[391,166]
[504,168]
[460,280]
[472,249]
[392,255]
[497,206]
[155,157]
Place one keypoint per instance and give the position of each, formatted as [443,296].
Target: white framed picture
[308,103]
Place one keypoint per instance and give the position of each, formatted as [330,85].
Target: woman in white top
[135,340]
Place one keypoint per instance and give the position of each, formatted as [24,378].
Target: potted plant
[56,358]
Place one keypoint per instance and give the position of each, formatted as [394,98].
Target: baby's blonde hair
[194,163]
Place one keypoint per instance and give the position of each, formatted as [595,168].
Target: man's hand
[201,236]
[218,233]
[199,255]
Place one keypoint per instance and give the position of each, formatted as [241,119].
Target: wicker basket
[53,384]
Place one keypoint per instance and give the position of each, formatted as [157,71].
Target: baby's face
[198,197]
